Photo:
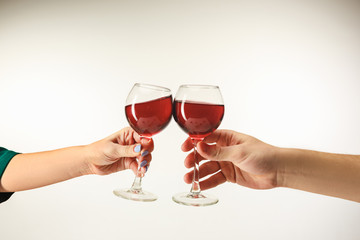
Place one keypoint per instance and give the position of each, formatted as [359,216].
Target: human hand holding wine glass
[234,157]
[148,110]
[198,110]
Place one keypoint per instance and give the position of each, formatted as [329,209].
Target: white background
[289,72]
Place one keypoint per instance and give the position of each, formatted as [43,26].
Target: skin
[249,162]
[111,154]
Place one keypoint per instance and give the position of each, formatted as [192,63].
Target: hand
[235,157]
[119,152]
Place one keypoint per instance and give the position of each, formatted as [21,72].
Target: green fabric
[5,157]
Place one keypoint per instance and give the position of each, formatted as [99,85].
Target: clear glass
[148,110]
[198,110]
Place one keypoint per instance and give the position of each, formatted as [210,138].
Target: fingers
[190,159]
[133,164]
[145,157]
[129,144]
[205,169]
[187,145]
[211,182]
[134,150]
[127,136]
[226,138]
[144,163]
[147,144]
[222,137]
[215,136]
[217,153]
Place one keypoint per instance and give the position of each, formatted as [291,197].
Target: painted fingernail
[143,163]
[146,168]
[137,148]
[146,152]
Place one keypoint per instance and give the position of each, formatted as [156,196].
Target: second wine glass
[198,110]
[148,110]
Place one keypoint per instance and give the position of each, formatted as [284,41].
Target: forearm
[330,174]
[33,170]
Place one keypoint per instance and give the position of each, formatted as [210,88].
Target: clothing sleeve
[5,158]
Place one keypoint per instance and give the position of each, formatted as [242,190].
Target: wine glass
[148,110]
[198,110]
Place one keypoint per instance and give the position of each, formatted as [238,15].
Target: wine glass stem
[195,188]
[136,186]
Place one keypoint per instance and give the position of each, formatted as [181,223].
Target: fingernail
[137,148]
[145,139]
[143,163]
[146,152]
[146,168]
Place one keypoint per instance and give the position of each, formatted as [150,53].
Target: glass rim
[199,86]
[153,87]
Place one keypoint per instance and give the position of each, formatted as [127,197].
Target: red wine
[198,119]
[149,118]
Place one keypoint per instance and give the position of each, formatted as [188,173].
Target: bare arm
[330,174]
[114,153]
[247,161]
[32,170]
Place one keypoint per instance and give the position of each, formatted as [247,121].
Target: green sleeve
[5,158]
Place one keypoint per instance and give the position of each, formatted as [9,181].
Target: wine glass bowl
[148,110]
[198,110]
[198,119]
[149,118]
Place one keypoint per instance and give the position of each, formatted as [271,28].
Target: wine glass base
[135,195]
[197,200]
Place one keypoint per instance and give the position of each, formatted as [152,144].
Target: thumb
[216,153]
[128,150]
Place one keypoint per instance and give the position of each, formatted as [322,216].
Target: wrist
[287,168]
[88,155]
[296,166]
